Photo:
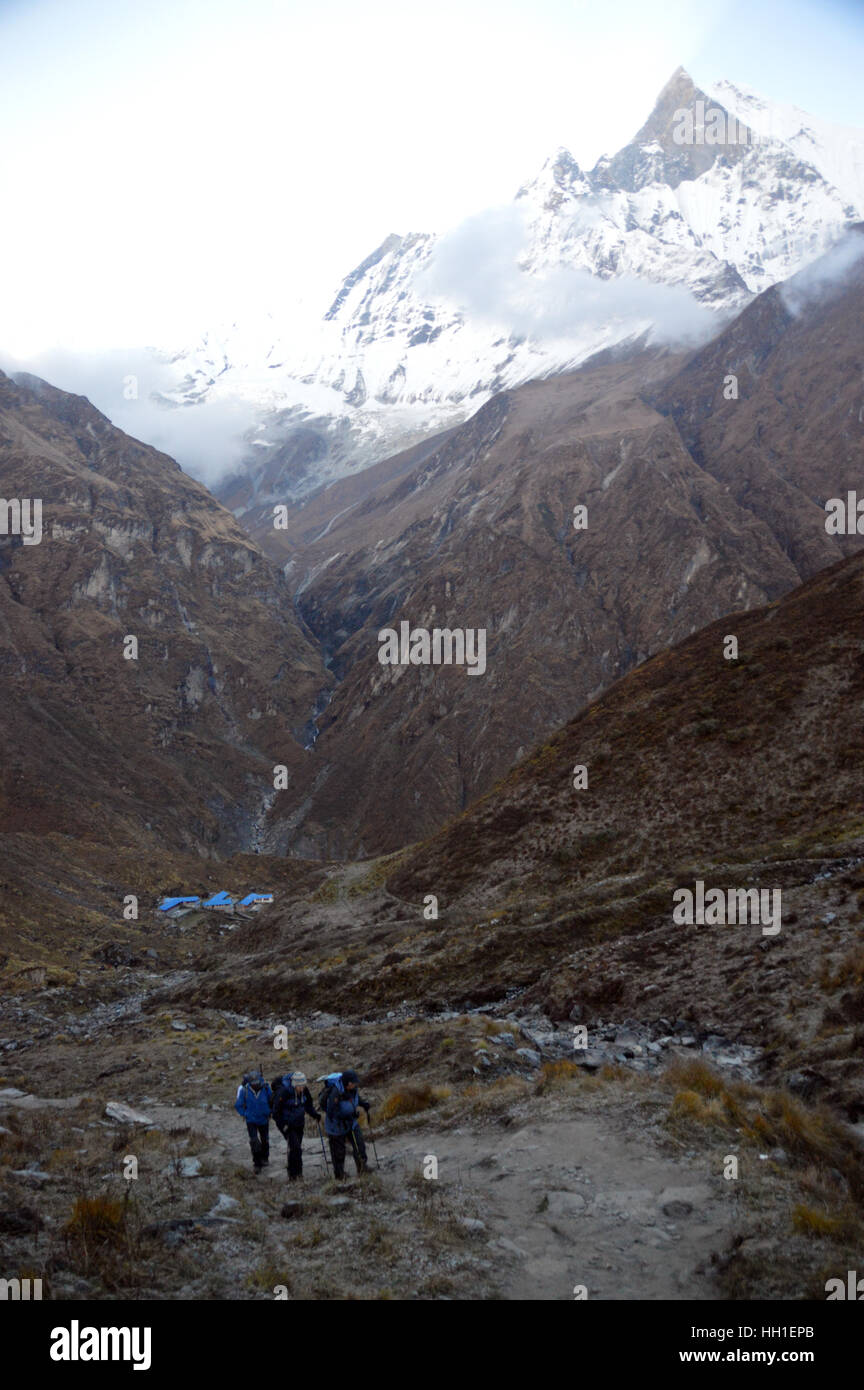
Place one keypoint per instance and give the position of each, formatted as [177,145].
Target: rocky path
[572,1201]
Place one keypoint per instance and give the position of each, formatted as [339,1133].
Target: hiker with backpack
[253,1102]
[292,1102]
[341,1100]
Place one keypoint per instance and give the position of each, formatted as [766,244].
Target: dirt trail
[572,1202]
[565,1202]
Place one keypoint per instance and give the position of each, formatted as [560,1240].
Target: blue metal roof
[173,902]
[256,897]
[219,900]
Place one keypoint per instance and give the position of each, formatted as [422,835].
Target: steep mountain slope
[108,760]
[794,435]
[661,237]
[698,503]
[836,151]
[766,745]
[739,773]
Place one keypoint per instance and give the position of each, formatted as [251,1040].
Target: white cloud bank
[206,440]
[478,268]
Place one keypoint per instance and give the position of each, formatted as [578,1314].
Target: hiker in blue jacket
[292,1102]
[342,1123]
[253,1102]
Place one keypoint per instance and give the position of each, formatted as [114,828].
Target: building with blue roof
[219,900]
[167,905]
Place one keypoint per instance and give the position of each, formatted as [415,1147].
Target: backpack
[329,1083]
[255,1078]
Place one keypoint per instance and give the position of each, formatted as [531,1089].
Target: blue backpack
[329,1082]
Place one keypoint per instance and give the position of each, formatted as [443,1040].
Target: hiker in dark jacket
[292,1102]
[252,1104]
[342,1123]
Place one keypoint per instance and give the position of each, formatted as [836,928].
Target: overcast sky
[167,164]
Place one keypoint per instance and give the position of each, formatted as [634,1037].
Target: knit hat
[298,1079]
[348,1076]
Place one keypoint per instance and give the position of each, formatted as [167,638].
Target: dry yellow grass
[494,1096]
[691,1107]
[769,1118]
[835,1217]
[412,1099]
[553,1074]
[97,1221]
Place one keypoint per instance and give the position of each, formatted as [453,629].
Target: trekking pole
[323,1150]
[372,1140]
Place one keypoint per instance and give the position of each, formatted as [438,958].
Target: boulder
[124,1114]
[672,1201]
[529,1055]
[189,1167]
[589,1058]
[326,1020]
[471,1223]
[512,1248]
[223,1205]
[565,1204]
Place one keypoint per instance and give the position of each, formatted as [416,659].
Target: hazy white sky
[167,164]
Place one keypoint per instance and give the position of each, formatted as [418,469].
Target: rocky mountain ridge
[153,668]
[705,479]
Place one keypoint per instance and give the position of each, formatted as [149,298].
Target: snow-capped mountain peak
[719,195]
